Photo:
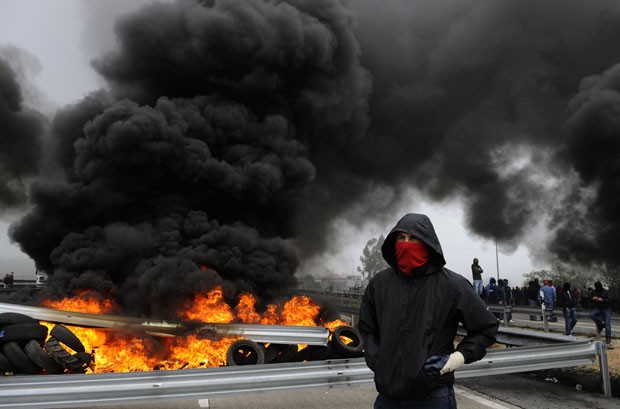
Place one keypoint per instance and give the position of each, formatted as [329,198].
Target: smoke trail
[20,141]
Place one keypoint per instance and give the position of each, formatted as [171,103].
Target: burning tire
[245,352]
[37,355]
[272,351]
[64,335]
[347,342]
[23,332]
[16,355]
[286,353]
[62,357]
[321,353]
[86,358]
[10,318]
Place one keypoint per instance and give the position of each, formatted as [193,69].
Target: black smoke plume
[232,133]
[21,131]
[199,155]
[509,107]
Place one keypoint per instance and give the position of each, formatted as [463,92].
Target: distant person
[492,296]
[11,280]
[533,289]
[548,297]
[601,313]
[409,318]
[568,304]
[506,297]
[492,292]
[476,273]
[520,298]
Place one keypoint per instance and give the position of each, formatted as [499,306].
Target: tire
[5,365]
[274,351]
[321,353]
[65,336]
[86,358]
[302,355]
[16,355]
[37,355]
[245,352]
[286,354]
[351,350]
[10,318]
[271,352]
[62,357]
[23,332]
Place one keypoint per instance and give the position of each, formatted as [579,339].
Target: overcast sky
[64,35]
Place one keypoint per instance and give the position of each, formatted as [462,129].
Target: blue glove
[433,364]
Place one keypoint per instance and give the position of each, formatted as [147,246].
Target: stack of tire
[246,352]
[26,348]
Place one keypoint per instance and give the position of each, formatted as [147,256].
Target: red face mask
[410,255]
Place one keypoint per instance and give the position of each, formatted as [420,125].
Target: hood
[420,226]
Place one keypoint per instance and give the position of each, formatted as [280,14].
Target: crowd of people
[550,297]
[8,280]
[529,294]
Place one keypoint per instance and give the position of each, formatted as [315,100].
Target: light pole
[497,260]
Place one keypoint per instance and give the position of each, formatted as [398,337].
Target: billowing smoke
[199,156]
[21,131]
[587,228]
[232,133]
[511,107]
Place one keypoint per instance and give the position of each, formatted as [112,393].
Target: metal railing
[64,391]
[277,334]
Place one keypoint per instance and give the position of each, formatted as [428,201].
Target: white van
[41,278]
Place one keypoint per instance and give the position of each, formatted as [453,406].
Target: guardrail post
[604,368]
[507,314]
[545,317]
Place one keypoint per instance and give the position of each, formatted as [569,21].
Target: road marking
[203,403]
[466,393]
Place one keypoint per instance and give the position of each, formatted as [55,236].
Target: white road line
[459,390]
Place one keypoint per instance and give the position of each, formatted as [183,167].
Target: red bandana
[410,255]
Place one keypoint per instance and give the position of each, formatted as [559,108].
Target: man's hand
[455,361]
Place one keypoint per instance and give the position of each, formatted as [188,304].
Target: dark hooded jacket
[406,319]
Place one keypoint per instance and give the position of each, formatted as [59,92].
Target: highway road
[357,397]
[500,392]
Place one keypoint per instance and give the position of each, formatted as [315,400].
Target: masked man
[409,316]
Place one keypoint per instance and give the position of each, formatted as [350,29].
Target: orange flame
[122,352]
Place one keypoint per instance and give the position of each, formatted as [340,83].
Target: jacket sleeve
[480,323]
[368,327]
[606,303]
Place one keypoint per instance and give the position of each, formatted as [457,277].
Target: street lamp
[497,259]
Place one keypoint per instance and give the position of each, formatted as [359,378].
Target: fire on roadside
[115,351]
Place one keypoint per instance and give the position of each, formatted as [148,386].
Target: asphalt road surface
[357,397]
[498,392]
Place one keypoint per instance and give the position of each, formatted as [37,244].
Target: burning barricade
[210,334]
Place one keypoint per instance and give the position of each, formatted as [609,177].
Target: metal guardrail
[277,334]
[64,391]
